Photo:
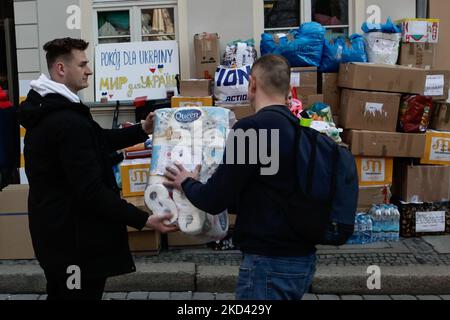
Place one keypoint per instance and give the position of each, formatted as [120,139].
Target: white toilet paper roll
[190,219]
[216,226]
[158,200]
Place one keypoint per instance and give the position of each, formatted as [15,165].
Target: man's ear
[252,84]
[59,68]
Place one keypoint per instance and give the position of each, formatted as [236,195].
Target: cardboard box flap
[14,199]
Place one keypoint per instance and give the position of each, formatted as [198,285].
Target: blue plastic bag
[340,51]
[388,27]
[302,47]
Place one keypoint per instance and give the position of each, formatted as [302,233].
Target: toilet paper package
[190,136]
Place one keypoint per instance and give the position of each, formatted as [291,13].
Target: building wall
[38,21]
[441,9]
[27,39]
[231,19]
[397,9]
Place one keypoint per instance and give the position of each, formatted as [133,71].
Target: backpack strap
[312,159]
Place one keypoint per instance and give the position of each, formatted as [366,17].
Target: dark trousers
[57,289]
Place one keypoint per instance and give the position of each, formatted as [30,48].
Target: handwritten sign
[124,71]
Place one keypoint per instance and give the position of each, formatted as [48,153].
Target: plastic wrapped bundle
[190,136]
[383,42]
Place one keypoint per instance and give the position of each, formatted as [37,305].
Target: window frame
[306,16]
[135,10]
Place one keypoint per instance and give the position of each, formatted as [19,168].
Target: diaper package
[190,136]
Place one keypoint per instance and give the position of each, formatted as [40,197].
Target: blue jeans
[275,278]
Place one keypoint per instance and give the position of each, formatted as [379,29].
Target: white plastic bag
[231,85]
[383,48]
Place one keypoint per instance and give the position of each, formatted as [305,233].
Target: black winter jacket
[261,225]
[76,214]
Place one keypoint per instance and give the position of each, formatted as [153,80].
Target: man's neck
[262,103]
[61,82]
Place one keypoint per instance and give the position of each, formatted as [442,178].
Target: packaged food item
[415,113]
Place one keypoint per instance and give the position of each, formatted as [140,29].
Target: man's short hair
[62,48]
[273,73]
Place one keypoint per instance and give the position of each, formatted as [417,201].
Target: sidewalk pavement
[411,267]
[208,296]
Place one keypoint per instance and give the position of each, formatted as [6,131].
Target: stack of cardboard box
[419,40]
[305,82]
[194,93]
[15,239]
[369,109]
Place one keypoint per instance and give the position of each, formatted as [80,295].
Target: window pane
[281,13]
[113,23]
[114,40]
[330,12]
[158,21]
[158,38]
[336,32]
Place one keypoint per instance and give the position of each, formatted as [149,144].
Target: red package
[415,113]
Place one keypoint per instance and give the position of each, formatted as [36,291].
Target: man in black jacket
[277,263]
[78,222]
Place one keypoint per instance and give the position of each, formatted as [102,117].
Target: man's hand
[147,124]
[156,222]
[176,176]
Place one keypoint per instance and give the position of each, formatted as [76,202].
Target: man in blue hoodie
[277,262]
[78,222]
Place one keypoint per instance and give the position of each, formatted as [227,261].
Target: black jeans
[57,289]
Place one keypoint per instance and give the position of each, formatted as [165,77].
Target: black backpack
[322,208]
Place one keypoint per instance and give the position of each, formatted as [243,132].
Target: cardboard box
[441,117]
[304,80]
[196,88]
[375,171]
[369,196]
[146,242]
[180,239]
[135,175]
[424,219]
[15,238]
[437,148]
[385,144]
[366,110]
[418,55]
[311,99]
[179,101]
[207,55]
[240,111]
[420,30]
[397,79]
[422,183]
[328,86]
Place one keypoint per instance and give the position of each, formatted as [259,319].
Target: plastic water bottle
[396,223]
[369,228]
[385,216]
[362,228]
[354,239]
[375,214]
[391,223]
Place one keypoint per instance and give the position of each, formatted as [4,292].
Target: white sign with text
[125,71]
